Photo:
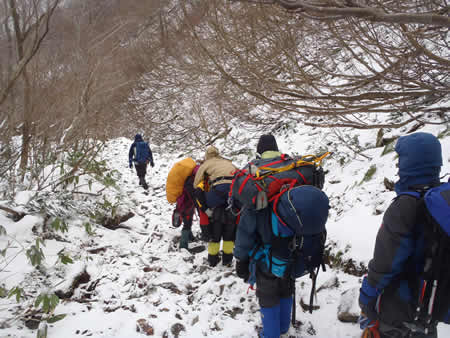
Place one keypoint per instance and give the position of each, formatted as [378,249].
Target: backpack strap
[221,178]
[415,194]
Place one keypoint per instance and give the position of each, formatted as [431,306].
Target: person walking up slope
[212,184]
[141,154]
[180,190]
[280,241]
[397,297]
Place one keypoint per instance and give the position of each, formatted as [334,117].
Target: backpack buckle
[292,244]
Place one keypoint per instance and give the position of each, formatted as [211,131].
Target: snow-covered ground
[137,272]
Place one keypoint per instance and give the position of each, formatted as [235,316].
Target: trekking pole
[293,302]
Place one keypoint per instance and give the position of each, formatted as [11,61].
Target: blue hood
[420,160]
[138,138]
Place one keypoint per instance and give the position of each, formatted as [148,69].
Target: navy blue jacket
[399,248]
[138,138]
[254,227]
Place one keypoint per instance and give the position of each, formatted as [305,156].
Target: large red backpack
[262,180]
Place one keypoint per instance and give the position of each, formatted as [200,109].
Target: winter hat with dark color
[138,138]
[266,142]
[419,162]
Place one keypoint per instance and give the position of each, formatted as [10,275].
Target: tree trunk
[26,125]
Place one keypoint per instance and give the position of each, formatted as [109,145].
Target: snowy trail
[138,272]
[143,275]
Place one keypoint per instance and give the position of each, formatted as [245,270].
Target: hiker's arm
[130,153]
[199,175]
[245,235]
[395,242]
[150,156]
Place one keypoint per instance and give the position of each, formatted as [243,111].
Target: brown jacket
[214,167]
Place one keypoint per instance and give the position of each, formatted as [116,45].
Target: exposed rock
[333,282]
[234,311]
[97,250]
[176,329]
[149,269]
[389,184]
[143,326]
[172,287]
[348,309]
[113,223]
[306,307]
[32,323]
[379,141]
[81,278]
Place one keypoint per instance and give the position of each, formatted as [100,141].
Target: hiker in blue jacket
[141,154]
[274,294]
[389,293]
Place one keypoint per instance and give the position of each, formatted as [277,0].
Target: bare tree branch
[323,11]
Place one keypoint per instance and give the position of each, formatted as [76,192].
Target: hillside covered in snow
[124,275]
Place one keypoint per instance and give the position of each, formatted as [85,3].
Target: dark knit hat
[266,142]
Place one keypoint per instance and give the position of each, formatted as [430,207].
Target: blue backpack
[141,152]
[298,236]
[433,303]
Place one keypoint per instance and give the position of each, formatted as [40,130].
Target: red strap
[250,287]
[272,163]
[374,330]
[423,291]
[304,179]
[243,184]
[276,199]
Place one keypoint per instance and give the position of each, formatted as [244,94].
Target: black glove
[206,234]
[242,269]
[131,165]
[152,164]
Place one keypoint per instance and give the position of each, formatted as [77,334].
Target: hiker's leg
[286,287]
[285,314]
[389,331]
[213,253]
[140,171]
[144,172]
[186,233]
[187,221]
[432,333]
[270,317]
[214,244]
[184,240]
[229,230]
[267,291]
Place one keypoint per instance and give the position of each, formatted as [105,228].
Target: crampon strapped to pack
[433,300]
[261,180]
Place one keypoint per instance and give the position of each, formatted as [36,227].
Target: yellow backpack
[176,178]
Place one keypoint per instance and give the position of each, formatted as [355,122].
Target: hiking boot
[184,240]
[145,185]
[227,259]
[191,236]
[213,260]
